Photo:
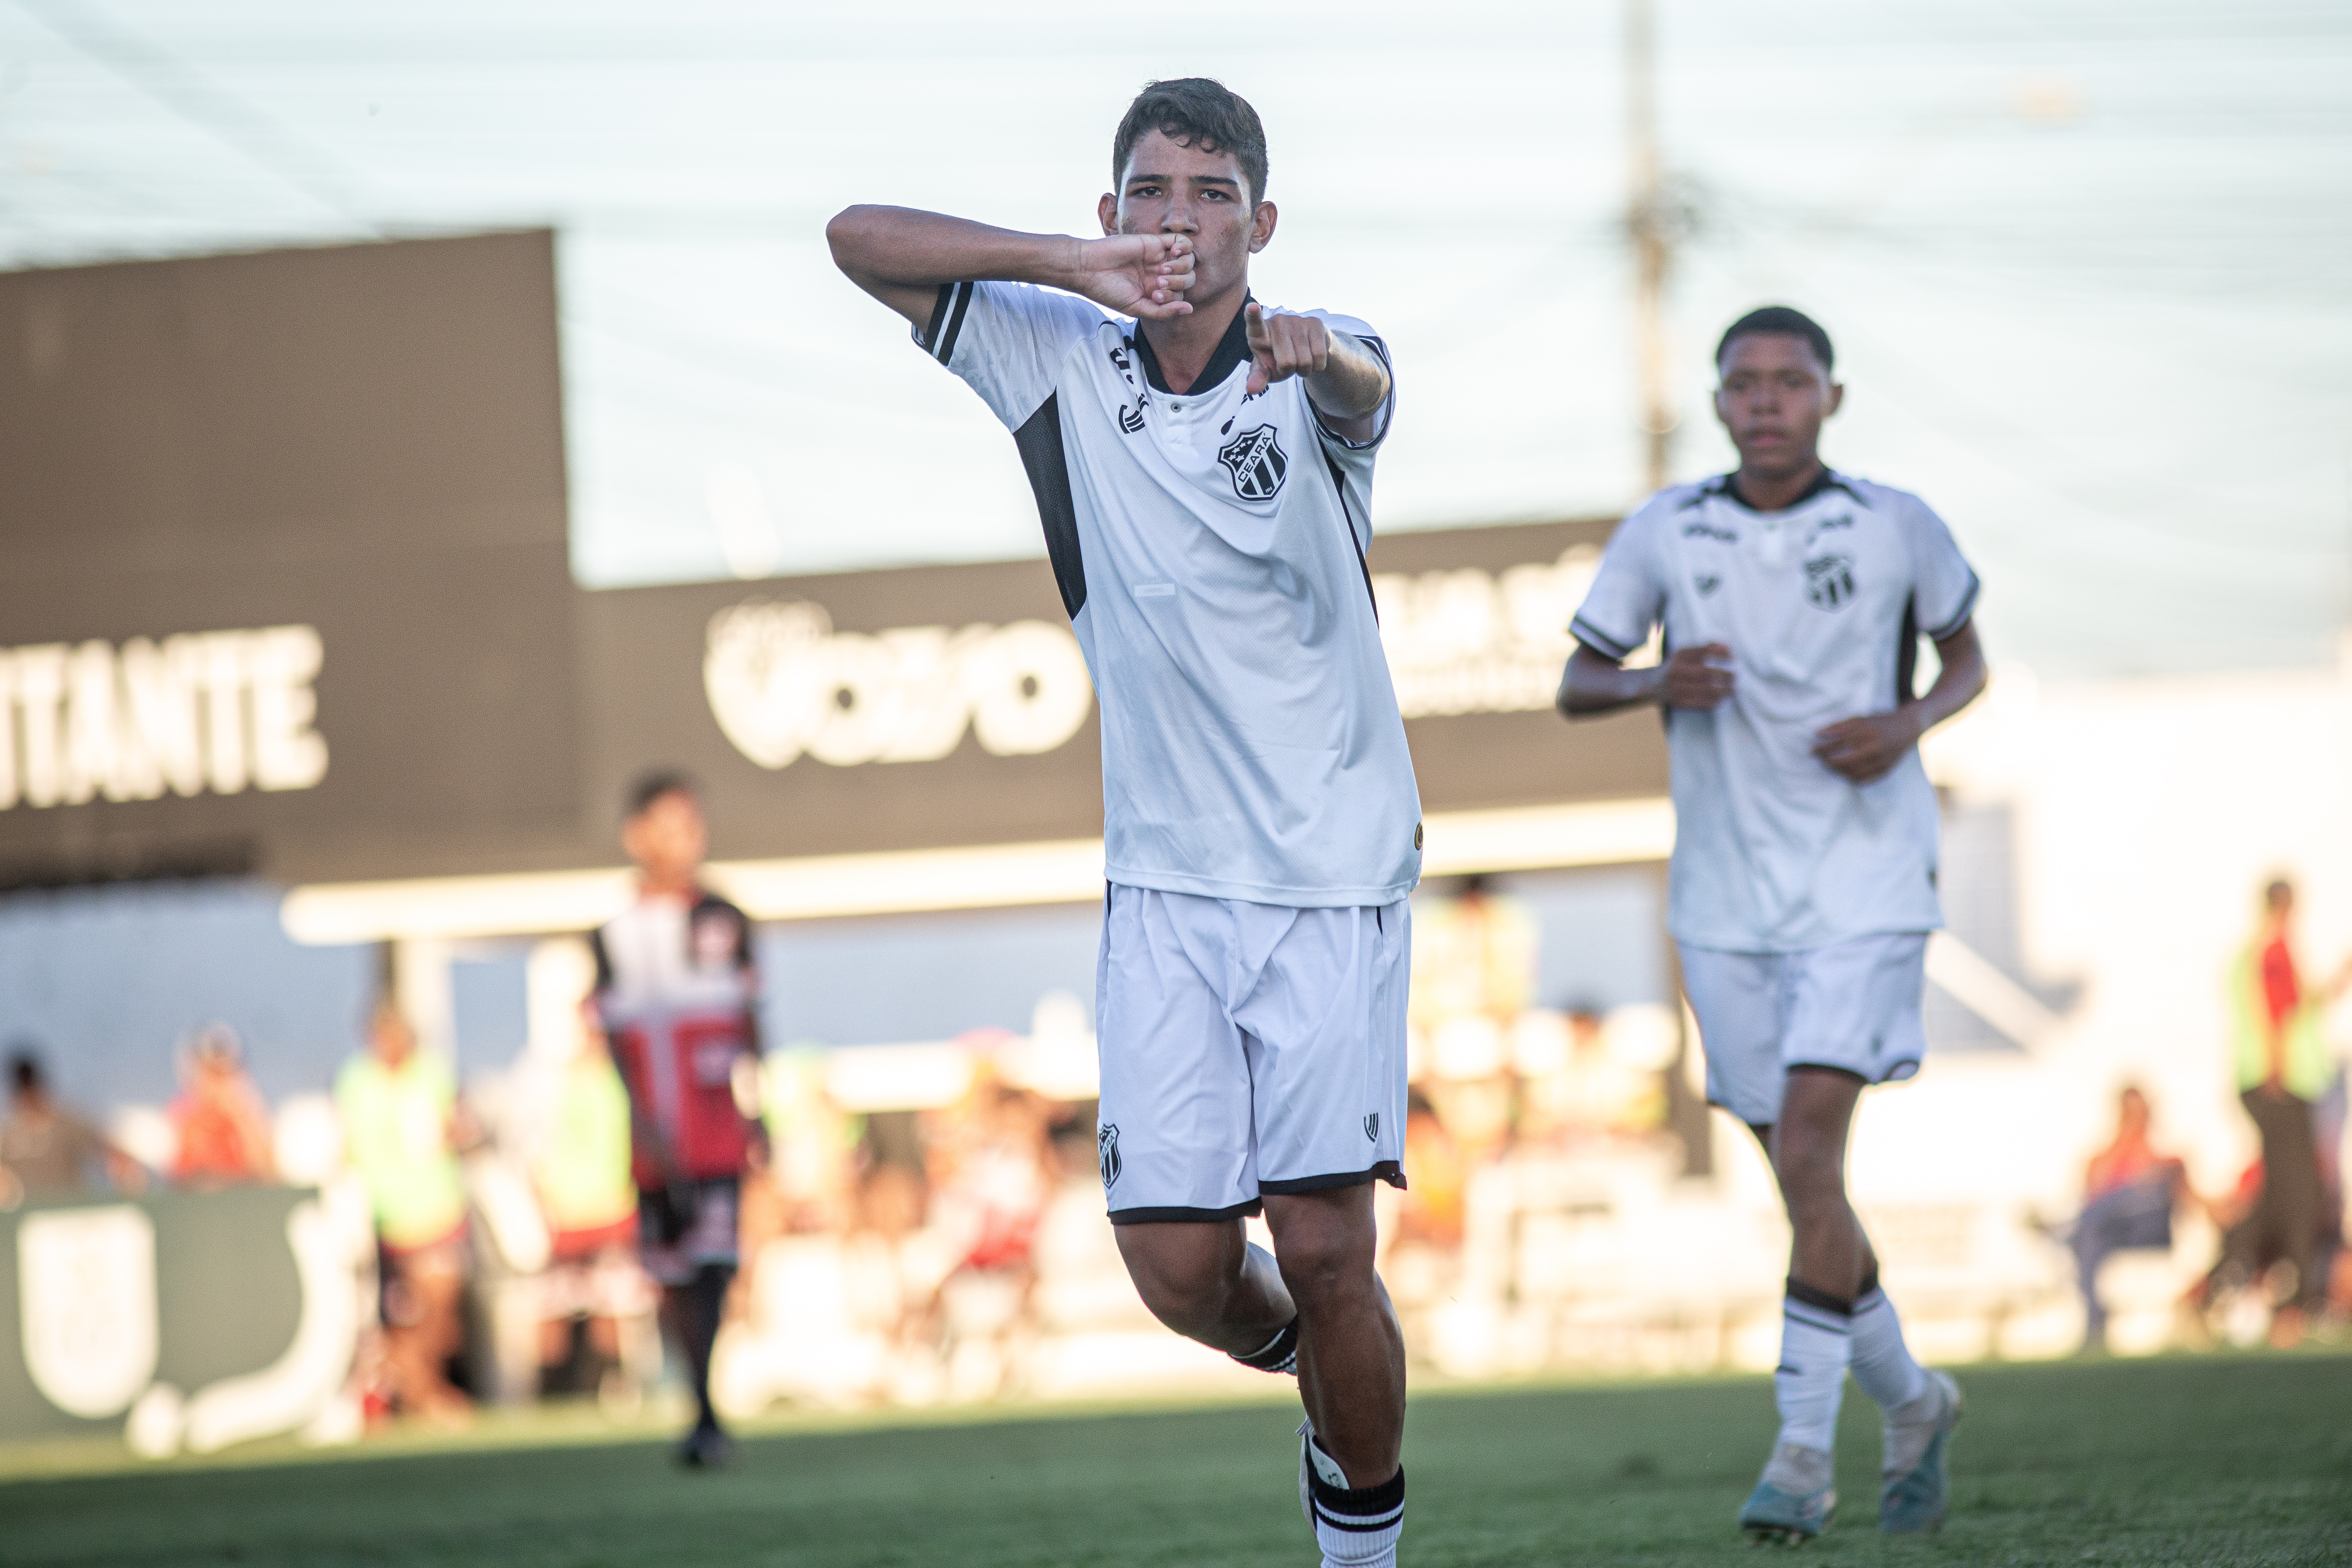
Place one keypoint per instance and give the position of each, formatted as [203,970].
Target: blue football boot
[1917,1490]
[1794,1500]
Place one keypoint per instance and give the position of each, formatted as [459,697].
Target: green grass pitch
[2241,1458]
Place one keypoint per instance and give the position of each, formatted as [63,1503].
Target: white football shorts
[1246,1049]
[1852,1005]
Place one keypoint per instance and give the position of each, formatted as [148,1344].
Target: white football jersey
[1822,605]
[1209,546]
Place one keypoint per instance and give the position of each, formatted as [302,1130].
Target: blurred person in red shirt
[220,1122]
[676,995]
[2129,1193]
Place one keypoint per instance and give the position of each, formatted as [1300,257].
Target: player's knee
[1324,1258]
[1186,1288]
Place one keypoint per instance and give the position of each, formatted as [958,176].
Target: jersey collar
[1233,349]
[1728,487]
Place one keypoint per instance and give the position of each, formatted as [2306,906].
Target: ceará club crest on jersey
[1257,463]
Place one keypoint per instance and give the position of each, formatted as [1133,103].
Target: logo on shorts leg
[1106,1153]
[1372,1127]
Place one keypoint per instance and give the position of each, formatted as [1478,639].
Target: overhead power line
[186,93]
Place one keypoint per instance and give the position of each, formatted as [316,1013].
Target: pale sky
[2088,264]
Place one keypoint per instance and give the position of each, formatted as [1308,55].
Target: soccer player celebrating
[1803,884]
[675,995]
[1203,466]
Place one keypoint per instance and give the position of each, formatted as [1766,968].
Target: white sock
[1882,1361]
[1816,1343]
[1356,1527]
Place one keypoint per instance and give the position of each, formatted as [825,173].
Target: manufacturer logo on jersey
[1372,1127]
[1257,463]
[1106,1153]
[1708,531]
[712,937]
[1707,584]
[1829,580]
[1130,419]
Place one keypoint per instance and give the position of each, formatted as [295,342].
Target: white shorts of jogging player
[1851,1005]
[1246,1049]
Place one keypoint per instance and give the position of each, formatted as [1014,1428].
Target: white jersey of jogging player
[1822,604]
[1209,546]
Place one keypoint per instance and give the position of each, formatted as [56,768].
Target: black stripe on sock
[1800,1291]
[1361,1502]
[1277,1353]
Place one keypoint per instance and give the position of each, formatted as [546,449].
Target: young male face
[1170,188]
[1772,397]
[668,839]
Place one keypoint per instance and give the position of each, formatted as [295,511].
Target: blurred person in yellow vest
[45,1150]
[581,1171]
[2283,1067]
[402,1129]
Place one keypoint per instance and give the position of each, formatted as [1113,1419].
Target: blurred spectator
[1435,1211]
[581,1171]
[1473,953]
[994,1172]
[220,1127]
[1591,1093]
[2129,1193]
[401,1128]
[2282,1069]
[45,1150]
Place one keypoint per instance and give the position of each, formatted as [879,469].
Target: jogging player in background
[676,994]
[1803,881]
[1203,465]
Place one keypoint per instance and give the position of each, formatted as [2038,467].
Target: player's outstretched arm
[1864,749]
[902,257]
[1594,683]
[1345,381]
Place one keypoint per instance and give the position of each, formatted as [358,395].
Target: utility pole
[1647,223]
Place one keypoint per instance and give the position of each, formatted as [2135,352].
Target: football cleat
[1916,1490]
[1314,1463]
[1794,1500]
[706,1448]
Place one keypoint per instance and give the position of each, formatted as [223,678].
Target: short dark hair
[1779,319]
[650,787]
[1193,111]
[23,1069]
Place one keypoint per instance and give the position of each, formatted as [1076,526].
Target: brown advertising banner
[287,593]
[286,584]
[924,707]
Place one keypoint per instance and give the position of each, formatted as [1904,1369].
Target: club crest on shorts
[1829,581]
[1106,1153]
[1372,1127]
[1257,463]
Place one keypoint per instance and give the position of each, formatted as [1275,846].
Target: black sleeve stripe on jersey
[1348,516]
[1906,653]
[1598,641]
[1960,617]
[1040,443]
[938,318]
[1323,427]
[955,323]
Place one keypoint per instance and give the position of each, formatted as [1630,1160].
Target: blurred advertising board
[179,1319]
[288,595]
[922,707]
[287,588]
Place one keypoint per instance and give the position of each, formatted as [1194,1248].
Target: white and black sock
[1816,1345]
[1356,1527]
[1279,1353]
[1882,1361]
